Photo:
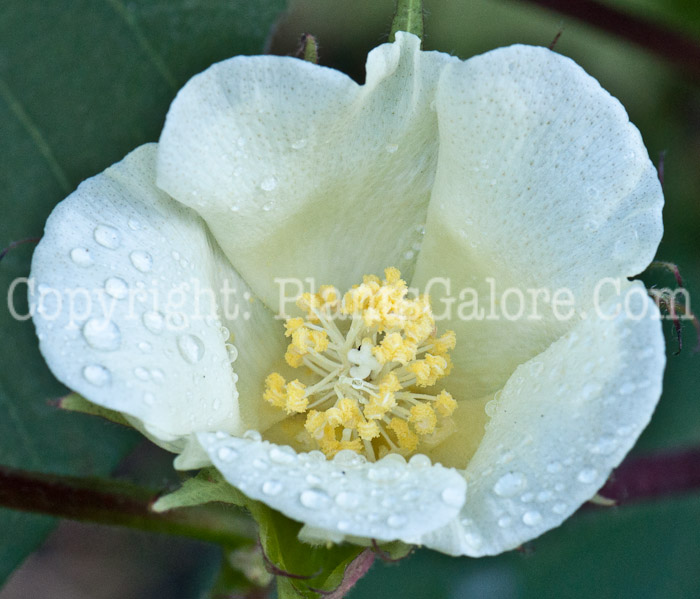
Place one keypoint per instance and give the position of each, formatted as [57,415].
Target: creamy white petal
[563,421]
[384,500]
[300,172]
[542,182]
[115,323]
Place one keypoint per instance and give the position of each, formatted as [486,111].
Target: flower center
[372,356]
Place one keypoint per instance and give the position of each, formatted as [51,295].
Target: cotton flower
[513,169]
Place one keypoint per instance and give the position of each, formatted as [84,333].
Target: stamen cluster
[373,353]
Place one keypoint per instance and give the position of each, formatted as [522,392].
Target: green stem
[409,17]
[119,503]
[676,48]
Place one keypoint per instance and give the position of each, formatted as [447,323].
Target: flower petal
[385,500]
[299,172]
[114,322]
[563,421]
[542,182]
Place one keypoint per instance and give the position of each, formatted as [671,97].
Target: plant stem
[676,48]
[118,503]
[408,17]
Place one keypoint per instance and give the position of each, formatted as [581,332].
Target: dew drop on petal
[282,455]
[97,375]
[101,334]
[299,144]
[252,435]
[420,460]
[314,499]
[141,260]
[153,321]
[81,256]
[141,373]
[505,521]
[587,475]
[391,148]
[134,225]
[272,487]
[268,184]
[107,236]
[226,454]
[396,520]
[559,508]
[116,288]
[191,348]
[145,347]
[510,484]
[532,518]
[554,467]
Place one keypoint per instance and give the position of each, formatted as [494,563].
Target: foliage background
[84,81]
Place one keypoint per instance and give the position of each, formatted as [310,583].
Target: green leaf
[300,567]
[83,82]
[77,403]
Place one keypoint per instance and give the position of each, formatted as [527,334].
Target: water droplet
[510,484]
[299,144]
[554,467]
[391,148]
[232,353]
[141,373]
[587,475]
[473,539]
[344,525]
[97,375]
[157,375]
[145,347]
[453,496]
[191,348]
[153,321]
[312,479]
[272,487]
[142,261]
[134,225]
[532,518]
[268,184]
[347,500]
[544,496]
[420,461]
[604,446]
[253,435]
[102,334]
[226,454]
[559,508]
[116,288]
[383,474]
[107,236]
[314,499]
[396,520]
[505,521]
[282,455]
[420,229]
[527,497]
[408,255]
[81,256]
[268,207]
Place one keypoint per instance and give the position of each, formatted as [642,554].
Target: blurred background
[82,82]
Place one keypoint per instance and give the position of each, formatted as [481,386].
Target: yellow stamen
[373,349]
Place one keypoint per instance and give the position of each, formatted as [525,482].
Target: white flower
[514,165]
